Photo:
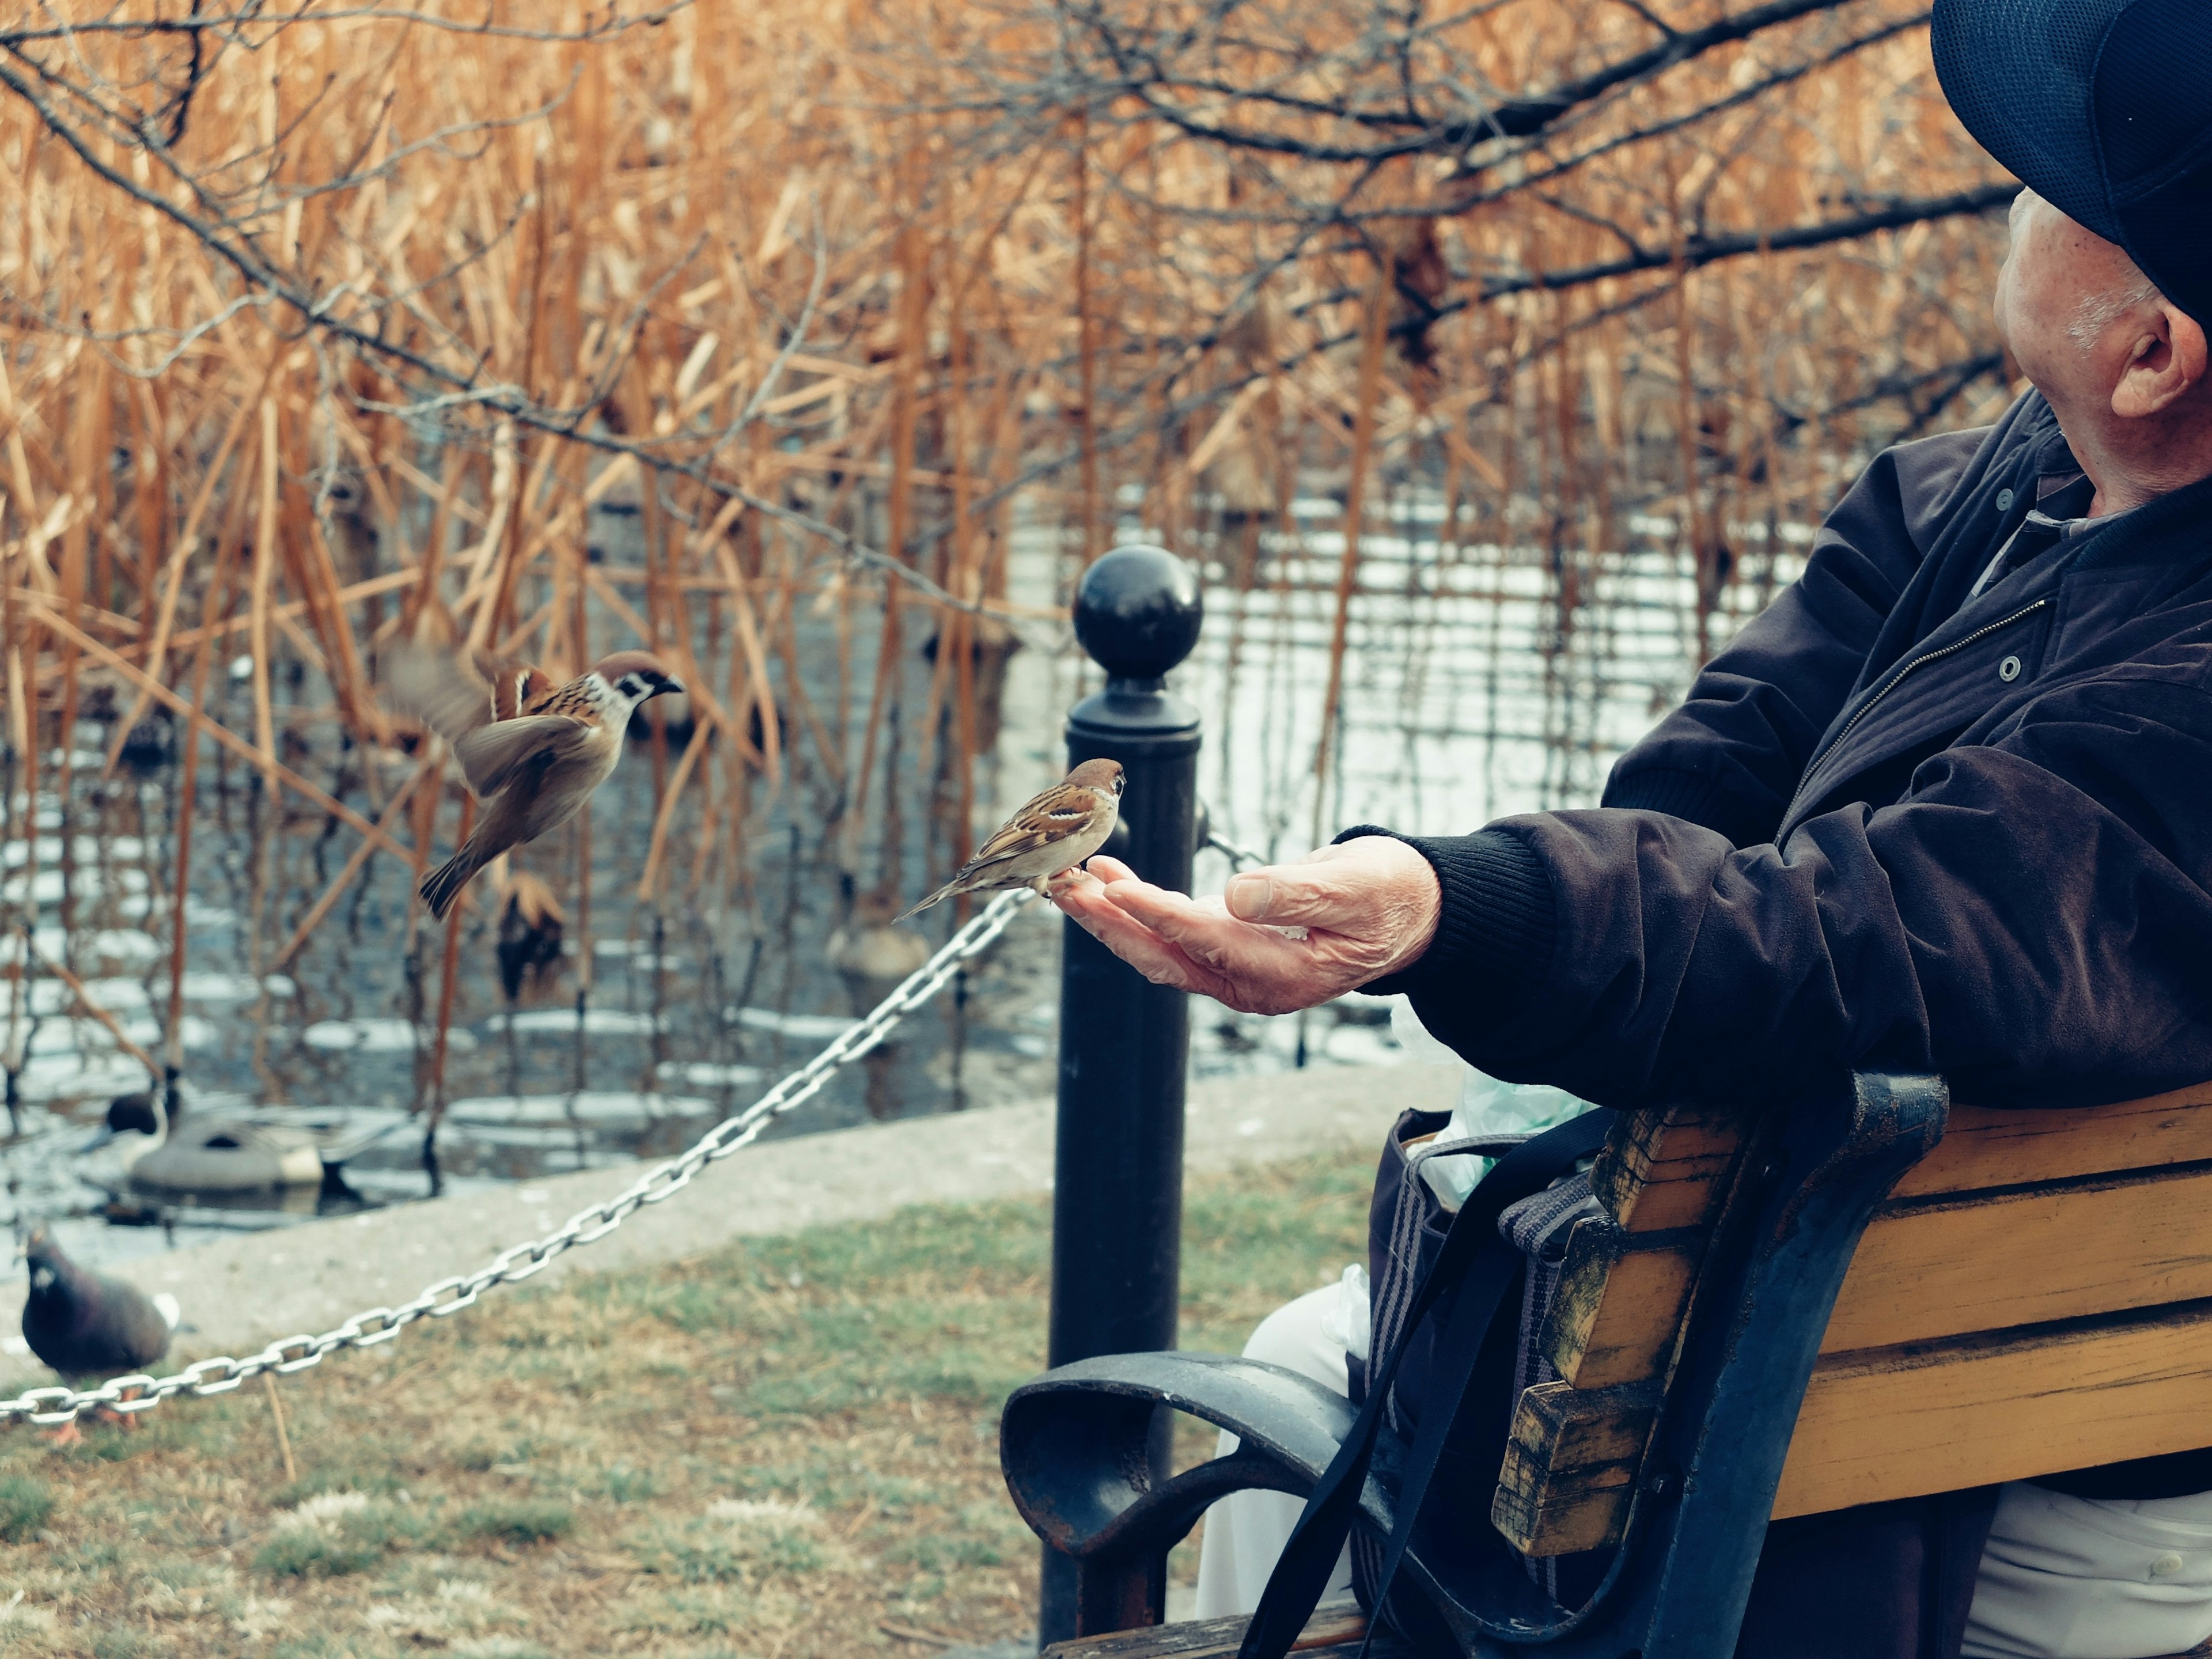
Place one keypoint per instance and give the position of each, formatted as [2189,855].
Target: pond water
[1467,694]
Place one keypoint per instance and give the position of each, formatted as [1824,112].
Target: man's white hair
[2095,312]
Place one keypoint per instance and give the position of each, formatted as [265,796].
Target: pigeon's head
[46,1260]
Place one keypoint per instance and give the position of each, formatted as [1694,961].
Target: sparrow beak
[666,686]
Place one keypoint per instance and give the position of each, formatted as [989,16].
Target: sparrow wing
[491,754]
[517,687]
[444,690]
[1056,815]
[454,692]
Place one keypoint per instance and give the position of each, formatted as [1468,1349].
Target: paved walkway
[241,1292]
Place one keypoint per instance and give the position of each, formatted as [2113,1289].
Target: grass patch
[932,1552]
[621,1484]
[337,1533]
[691,1612]
[514,1521]
[771,1449]
[294,1554]
[25,1504]
[736,1541]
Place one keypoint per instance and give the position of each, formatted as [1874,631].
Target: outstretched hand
[1279,939]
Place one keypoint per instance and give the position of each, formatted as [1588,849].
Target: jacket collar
[2154,532]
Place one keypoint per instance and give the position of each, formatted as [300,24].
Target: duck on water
[156,1152]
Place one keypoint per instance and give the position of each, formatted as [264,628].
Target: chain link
[1238,857]
[374,1327]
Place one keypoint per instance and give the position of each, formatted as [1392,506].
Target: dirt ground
[779,1451]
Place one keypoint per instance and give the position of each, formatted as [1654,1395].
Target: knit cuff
[1496,926]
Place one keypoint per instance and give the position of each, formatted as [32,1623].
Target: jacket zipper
[1896,680]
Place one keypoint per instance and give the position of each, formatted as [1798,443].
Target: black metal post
[1124,1043]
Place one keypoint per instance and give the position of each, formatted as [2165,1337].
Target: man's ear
[2168,361]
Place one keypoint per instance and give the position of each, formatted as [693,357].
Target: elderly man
[1946,806]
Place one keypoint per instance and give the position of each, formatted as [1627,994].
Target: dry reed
[820,294]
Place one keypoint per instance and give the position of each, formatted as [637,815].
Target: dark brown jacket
[1893,827]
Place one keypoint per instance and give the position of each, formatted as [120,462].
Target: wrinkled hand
[1366,908]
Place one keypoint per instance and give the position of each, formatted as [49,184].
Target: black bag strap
[1483,1264]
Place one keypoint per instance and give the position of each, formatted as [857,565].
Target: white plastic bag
[1347,1321]
[1487,1106]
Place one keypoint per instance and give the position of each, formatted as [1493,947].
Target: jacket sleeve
[2030,919]
[1730,757]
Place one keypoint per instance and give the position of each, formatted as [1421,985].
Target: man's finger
[1078,879]
[1290,895]
[1259,959]
[1155,958]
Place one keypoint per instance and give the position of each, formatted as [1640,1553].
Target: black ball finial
[1138,611]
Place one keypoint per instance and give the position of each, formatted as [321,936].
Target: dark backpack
[1436,1394]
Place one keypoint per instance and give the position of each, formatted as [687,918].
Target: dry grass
[774,1450]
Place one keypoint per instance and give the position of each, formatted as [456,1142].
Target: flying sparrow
[532,752]
[1053,833]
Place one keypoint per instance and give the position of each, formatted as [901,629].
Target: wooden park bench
[1870,1296]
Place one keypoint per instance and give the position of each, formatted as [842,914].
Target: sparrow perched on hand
[532,752]
[1053,832]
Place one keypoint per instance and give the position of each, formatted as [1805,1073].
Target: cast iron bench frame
[1690,1326]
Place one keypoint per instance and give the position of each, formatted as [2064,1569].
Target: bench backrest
[2034,1296]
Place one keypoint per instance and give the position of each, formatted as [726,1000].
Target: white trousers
[2062,1577]
[2081,1578]
[1245,1531]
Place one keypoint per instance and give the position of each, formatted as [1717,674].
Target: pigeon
[86,1324]
[532,751]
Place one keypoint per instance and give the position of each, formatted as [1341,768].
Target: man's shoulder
[1934,477]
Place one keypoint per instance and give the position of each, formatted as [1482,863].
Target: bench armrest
[1075,1447]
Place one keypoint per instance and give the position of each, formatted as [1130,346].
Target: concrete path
[241,1292]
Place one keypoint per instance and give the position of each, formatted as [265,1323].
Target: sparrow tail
[937,898]
[443,884]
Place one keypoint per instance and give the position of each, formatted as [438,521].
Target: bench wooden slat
[2036,1296]
[1620,1300]
[1983,1147]
[1662,1170]
[1614,1330]
[1660,1181]
[1903,1422]
[2026,1258]
[1571,1465]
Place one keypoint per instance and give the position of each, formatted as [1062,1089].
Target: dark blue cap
[2103,108]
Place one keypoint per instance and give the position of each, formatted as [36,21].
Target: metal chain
[1238,857]
[375,1325]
